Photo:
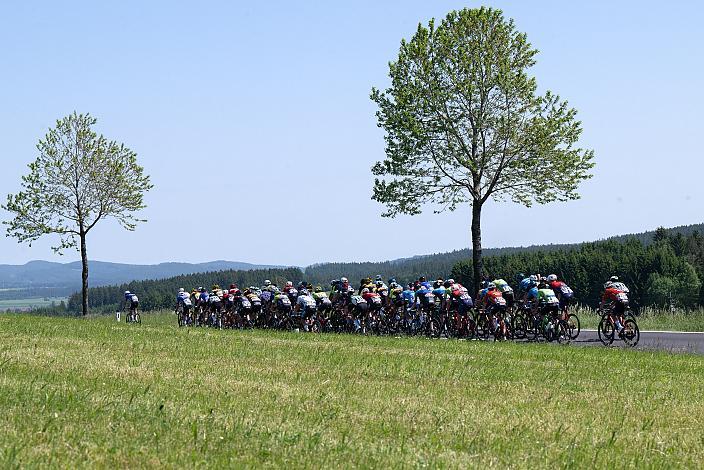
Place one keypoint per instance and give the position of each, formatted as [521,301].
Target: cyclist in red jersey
[615,298]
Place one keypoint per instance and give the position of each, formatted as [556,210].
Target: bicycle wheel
[483,327]
[137,318]
[573,325]
[630,332]
[562,333]
[606,331]
[518,327]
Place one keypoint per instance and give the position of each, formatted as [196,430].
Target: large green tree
[78,179]
[464,123]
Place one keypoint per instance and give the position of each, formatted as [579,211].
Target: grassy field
[95,393]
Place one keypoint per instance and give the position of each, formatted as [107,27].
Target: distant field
[29,303]
[97,393]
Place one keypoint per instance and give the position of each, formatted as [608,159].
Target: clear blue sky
[258,114]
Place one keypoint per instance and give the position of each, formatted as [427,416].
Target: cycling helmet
[365,291]
[127,292]
[318,289]
[451,281]
[303,292]
[421,279]
[437,283]
[392,280]
[608,284]
[613,279]
[393,285]
[533,278]
[344,279]
[233,286]
[552,277]
[216,286]
[447,284]
[267,282]
[485,284]
[202,289]
[181,290]
[378,277]
[520,277]
[289,284]
[491,286]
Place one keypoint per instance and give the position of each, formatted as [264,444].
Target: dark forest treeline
[667,270]
[159,294]
[664,266]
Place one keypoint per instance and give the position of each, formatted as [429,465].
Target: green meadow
[78,393]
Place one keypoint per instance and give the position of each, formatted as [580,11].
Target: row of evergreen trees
[666,268]
[161,294]
[668,271]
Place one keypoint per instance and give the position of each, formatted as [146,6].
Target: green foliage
[464,123]
[654,272]
[78,179]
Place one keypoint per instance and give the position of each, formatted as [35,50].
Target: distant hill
[42,275]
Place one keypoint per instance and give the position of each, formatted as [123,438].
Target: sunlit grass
[87,393]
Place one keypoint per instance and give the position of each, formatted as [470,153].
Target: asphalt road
[661,340]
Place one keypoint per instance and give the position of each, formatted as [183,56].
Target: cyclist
[424,297]
[132,300]
[614,300]
[563,291]
[381,289]
[494,306]
[215,300]
[268,286]
[305,306]
[183,302]
[457,297]
[395,296]
[409,295]
[506,291]
[322,299]
[366,283]
[526,287]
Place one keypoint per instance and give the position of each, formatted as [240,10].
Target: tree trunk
[84,274]
[477,263]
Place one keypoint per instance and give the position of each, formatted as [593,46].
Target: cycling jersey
[439,291]
[532,293]
[614,295]
[494,297]
[526,285]
[547,296]
[561,289]
[183,298]
[409,296]
[502,286]
[396,293]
